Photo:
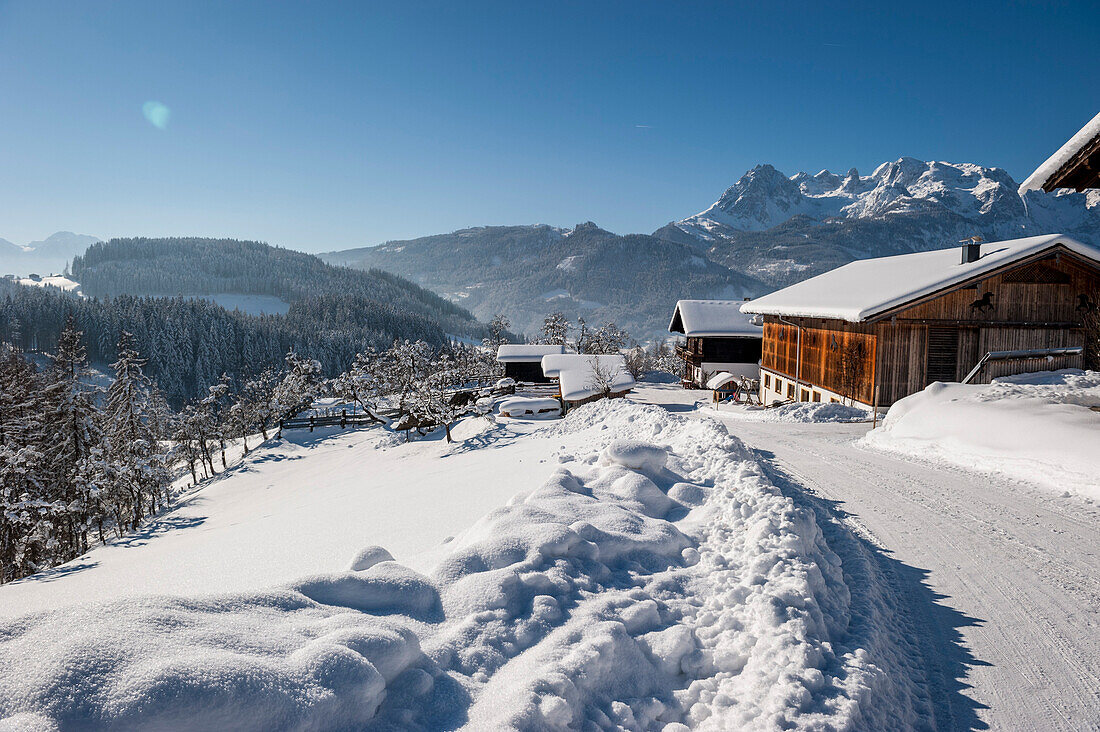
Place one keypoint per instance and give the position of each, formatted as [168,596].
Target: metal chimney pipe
[971,249]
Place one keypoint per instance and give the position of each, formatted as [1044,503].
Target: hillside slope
[527,272]
[193,267]
[625,585]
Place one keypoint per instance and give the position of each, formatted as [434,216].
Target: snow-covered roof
[713,318]
[1054,163]
[576,373]
[527,352]
[862,289]
[720,379]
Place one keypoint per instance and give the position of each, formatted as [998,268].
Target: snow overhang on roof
[1068,167]
[576,374]
[860,290]
[717,318]
[527,352]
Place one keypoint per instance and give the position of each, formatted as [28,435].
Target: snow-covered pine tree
[133,447]
[72,422]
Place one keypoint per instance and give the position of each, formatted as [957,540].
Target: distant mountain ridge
[527,272]
[782,229]
[46,256]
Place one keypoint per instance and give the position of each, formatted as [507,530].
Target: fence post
[311,423]
[343,418]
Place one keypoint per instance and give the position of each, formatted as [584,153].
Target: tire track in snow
[998,552]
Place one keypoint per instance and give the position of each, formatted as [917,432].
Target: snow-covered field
[632,566]
[1036,427]
[647,573]
[59,281]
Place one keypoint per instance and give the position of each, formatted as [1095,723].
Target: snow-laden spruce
[656,578]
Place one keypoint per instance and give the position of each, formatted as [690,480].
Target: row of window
[805,395]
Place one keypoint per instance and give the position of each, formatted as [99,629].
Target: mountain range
[766,231]
[527,272]
[784,229]
[48,256]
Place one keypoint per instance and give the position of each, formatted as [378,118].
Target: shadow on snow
[933,628]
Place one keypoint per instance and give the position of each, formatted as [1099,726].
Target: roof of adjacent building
[576,373]
[698,318]
[1074,165]
[527,352]
[860,290]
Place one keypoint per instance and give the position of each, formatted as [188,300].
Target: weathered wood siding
[1044,291]
[835,358]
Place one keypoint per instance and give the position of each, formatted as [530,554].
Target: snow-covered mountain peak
[764,197]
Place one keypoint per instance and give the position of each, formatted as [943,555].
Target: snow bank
[656,578]
[1034,427]
[800,412]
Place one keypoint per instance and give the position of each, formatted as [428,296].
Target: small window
[805,395]
[790,391]
[767,381]
[817,396]
[832,400]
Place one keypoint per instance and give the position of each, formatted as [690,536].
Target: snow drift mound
[802,412]
[656,578]
[1035,427]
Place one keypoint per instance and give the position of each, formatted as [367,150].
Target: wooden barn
[718,338]
[523,361]
[876,330]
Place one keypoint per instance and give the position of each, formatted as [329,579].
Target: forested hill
[203,267]
[190,342]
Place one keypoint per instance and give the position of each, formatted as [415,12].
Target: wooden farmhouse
[876,330]
[718,338]
[523,361]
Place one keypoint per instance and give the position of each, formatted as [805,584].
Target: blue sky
[322,126]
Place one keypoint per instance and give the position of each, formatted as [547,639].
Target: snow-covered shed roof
[527,352]
[720,379]
[1066,168]
[713,318]
[576,373]
[554,363]
[865,288]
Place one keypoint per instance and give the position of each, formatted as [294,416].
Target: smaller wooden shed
[523,361]
[584,377]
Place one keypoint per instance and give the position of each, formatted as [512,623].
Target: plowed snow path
[1015,568]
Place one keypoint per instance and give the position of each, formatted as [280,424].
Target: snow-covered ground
[642,571]
[250,304]
[796,412]
[59,281]
[997,579]
[635,565]
[1038,427]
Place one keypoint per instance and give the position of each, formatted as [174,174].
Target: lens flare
[157,113]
